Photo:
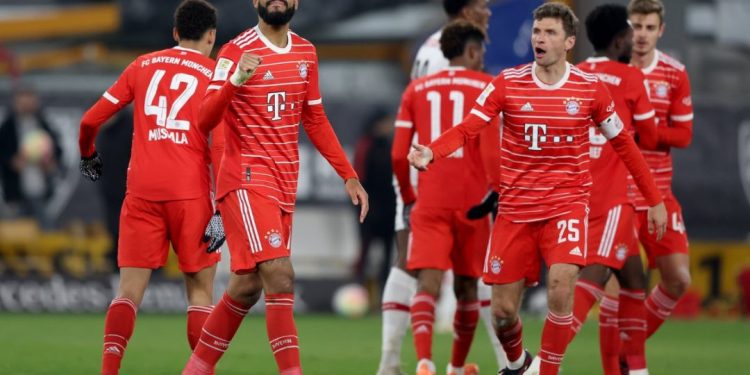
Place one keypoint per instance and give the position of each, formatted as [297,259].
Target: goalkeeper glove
[406,215]
[91,167]
[214,233]
[488,205]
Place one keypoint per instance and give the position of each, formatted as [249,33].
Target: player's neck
[606,53]
[278,35]
[196,46]
[551,74]
[643,60]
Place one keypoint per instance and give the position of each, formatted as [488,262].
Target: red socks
[282,333]
[632,319]
[464,325]
[118,327]
[555,338]
[511,340]
[609,335]
[217,332]
[586,295]
[659,306]
[422,318]
[196,317]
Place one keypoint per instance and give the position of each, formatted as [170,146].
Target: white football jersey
[429,58]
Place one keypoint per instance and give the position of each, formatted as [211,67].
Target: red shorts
[257,229]
[675,239]
[517,249]
[147,228]
[612,237]
[445,239]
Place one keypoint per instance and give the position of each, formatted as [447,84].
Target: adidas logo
[527,107]
[576,251]
[112,350]
[267,76]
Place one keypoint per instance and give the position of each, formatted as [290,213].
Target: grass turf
[70,344]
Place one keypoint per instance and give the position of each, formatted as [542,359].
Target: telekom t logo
[276,103]
[534,135]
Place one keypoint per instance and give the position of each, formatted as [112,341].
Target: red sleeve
[628,151]
[319,129]
[488,106]
[489,149]
[220,91]
[603,106]
[679,132]
[401,143]
[113,100]
[217,150]
[644,115]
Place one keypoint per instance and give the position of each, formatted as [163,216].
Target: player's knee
[430,287]
[280,284]
[559,295]
[465,288]
[678,284]
[504,314]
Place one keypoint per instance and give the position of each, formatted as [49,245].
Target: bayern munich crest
[303,69]
[621,252]
[274,238]
[496,265]
[662,89]
[572,106]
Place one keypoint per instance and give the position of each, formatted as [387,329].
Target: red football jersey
[169,158]
[609,174]
[429,107]
[262,121]
[669,90]
[544,171]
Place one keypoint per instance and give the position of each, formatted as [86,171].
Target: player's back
[262,133]
[608,172]
[429,58]
[169,158]
[669,89]
[440,101]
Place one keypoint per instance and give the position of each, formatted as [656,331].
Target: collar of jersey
[650,68]
[597,59]
[272,46]
[545,86]
[187,49]
[454,68]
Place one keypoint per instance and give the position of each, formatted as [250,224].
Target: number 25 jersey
[169,155]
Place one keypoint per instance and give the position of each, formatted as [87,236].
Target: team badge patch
[621,252]
[572,106]
[303,69]
[662,89]
[274,238]
[496,265]
[223,66]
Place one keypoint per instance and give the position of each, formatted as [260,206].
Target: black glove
[488,205]
[214,233]
[91,167]
[406,215]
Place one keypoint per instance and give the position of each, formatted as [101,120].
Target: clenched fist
[245,68]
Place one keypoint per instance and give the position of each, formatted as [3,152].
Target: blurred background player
[168,195]
[261,106]
[612,245]
[543,209]
[669,89]
[401,284]
[442,238]
[29,157]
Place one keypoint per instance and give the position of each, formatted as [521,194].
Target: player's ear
[570,42]
[661,29]
[175,35]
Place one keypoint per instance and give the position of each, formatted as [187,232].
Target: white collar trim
[597,59]
[545,86]
[272,46]
[650,68]
[187,49]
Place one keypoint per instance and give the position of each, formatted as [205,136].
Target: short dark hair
[647,7]
[605,23]
[453,7]
[193,18]
[561,12]
[457,34]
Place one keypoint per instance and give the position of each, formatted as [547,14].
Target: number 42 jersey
[169,155]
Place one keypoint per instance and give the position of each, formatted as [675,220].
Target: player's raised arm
[611,127]
[679,132]
[487,107]
[404,133]
[241,66]
[113,100]
[644,115]
[322,136]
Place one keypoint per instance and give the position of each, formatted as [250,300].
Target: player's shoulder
[481,76]
[300,42]
[578,74]
[670,62]
[632,72]
[242,40]
[433,41]
[518,71]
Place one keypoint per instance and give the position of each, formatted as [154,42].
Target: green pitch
[71,344]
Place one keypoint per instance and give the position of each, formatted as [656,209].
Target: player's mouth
[277,3]
[539,52]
